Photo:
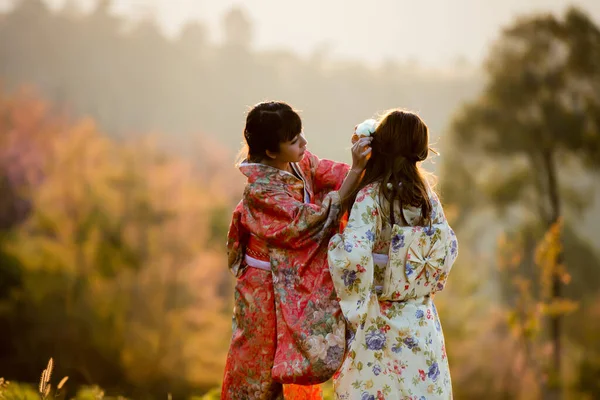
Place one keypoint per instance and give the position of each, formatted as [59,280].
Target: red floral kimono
[287,324]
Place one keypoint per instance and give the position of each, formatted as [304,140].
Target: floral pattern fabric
[288,316]
[385,277]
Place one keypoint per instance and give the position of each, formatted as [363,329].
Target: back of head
[400,141]
[401,136]
[267,125]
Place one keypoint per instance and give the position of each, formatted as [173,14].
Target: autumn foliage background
[117,181]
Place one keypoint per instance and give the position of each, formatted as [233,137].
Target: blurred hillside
[130,78]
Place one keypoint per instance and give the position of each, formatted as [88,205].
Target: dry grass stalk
[45,379]
[62,382]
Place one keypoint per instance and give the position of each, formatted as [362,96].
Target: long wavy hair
[400,142]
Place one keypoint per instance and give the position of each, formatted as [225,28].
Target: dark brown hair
[267,125]
[400,141]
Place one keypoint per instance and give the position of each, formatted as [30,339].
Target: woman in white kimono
[386,267]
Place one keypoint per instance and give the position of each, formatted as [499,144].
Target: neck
[285,166]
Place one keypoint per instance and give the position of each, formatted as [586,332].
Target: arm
[350,182]
[351,257]
[282,221]
[326,175]
[360,155]
[329,175]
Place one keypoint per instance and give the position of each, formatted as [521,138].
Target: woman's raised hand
[360,153]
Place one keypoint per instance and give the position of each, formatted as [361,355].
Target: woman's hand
[360,154]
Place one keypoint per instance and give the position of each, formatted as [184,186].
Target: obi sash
[257,254]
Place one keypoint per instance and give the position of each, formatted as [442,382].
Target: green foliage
[589,365]
[21,391]
[14,391]
[541,106]
[522,149]
[91,393]
[104,276]
[542,101]
[219,225]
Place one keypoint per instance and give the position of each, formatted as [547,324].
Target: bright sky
[432,32]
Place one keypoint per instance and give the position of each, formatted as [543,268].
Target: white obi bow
[420,258]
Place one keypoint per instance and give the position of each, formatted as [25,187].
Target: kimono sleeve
[438,217]
[283,221]
[237,238]
[327,175]
[350,257]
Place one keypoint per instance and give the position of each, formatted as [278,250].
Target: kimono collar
[261,173]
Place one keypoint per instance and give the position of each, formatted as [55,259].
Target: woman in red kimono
[287,324]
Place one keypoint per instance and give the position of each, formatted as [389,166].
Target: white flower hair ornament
[364,129]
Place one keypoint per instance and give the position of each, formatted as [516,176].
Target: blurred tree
[110,268]
[539,111]
[194,38]
[130,78]
[237,29]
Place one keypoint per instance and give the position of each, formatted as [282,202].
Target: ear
[271,154]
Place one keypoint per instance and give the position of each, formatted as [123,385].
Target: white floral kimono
[385,277]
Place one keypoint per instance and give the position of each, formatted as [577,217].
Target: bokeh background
[120,122]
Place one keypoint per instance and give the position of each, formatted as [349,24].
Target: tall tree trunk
[553,386]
